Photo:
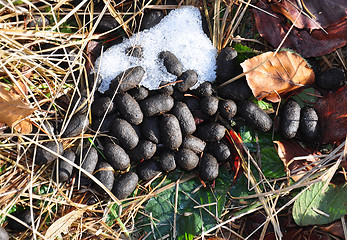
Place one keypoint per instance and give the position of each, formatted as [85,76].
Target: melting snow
[180,32]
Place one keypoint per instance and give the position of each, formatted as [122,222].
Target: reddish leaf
[284,72]
[93,52]
[308,44]
[287,150]
[235,141]
[334,228]
[332,112]
[325,12]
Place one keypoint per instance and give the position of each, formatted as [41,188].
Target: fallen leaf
[334,228]
[284,72]
[320,14]
[320,205]
[63,224]
[305,42]
[332,112]
[13,110]
[289,149]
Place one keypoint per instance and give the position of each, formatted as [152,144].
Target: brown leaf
[287,150]
[334,228]
[63,224]
[322,13]
[308,44]
[13,110]
[284,72]
[332,112]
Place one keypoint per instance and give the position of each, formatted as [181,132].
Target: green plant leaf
[316,207]
[307,97]
[243,52]
[248,135]
[271,164]
[190,219]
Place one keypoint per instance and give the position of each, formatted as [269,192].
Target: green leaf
[271,164]
[316,207]
[243,52]
[307,97]
[190,219]
[248,135]
[240,188]
[262,104]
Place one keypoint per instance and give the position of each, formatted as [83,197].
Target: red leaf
[287,150]
[308,44]
[325,12]
[332,112]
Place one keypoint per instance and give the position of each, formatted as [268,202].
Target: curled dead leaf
[287,150]
[13,111]
[278,75]
[63,224]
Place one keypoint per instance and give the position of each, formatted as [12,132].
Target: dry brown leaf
[63,224]
[13,110]
[284,72]
[289,149]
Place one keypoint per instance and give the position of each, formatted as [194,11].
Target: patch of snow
[180,32]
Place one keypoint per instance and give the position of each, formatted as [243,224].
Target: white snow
[180,32]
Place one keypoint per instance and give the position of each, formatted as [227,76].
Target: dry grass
[48,81]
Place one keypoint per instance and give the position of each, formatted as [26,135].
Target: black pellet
[138,93]
[185,118]
[125,133]
[128,108]
[150,19]
[208,169]
[226,64]
[188,79]
[289,119]
[219,150]
[103,106]
[186,159]
[210,132]
[227,109]
[65,168]
[150,129]
[148,169]
[331,79]
[23,215]
[78,123]
[126,80]
[209,105]
[4,234]
[254,115]
[125,185]
[193,143]
[171,62]
[156,105]
[105,174]
[309,125]
[43,156]
[88,160]
[237,91]
[204,90]
[116,156]
[144,150]
[167,161]
[171,134]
